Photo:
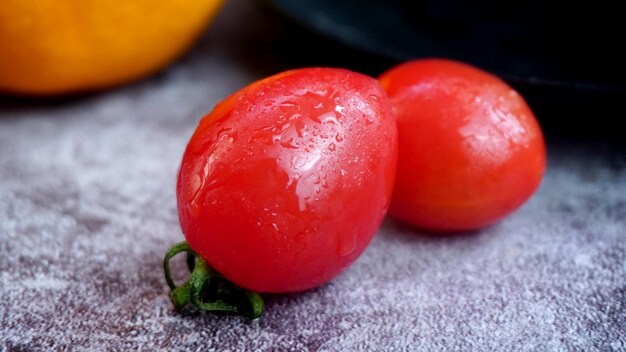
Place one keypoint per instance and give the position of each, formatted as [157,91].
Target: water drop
[335,96]
[291,144]
[300,128]
[321,92]
[328,117]
[287,106]
[347,245]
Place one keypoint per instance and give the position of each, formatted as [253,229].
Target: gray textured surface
[87,210]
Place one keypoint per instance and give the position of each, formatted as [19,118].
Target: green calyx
[207,289]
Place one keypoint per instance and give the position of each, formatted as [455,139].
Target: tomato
[470,148]
[285,183]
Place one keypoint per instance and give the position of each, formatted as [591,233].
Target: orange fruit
[50,47]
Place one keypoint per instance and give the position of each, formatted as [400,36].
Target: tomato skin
[285,183]
[470,148]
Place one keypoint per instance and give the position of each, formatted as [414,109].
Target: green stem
[207,289]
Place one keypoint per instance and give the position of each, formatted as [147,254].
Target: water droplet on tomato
[347,245]
[288,105]
[328,117]
[335,97]
[300,128]
[291,144]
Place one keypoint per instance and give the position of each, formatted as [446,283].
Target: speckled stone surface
[87,209]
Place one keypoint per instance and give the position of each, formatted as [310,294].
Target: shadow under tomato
[17,102]
[277,299]
[394,227]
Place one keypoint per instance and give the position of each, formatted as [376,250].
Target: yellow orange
[52,47]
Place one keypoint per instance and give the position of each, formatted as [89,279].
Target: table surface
[87,210]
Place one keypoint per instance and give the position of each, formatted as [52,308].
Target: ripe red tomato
[470,149]
[285,183]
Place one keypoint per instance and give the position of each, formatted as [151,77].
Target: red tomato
[470,149]
[285,183]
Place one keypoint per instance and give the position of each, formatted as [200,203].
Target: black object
[572,47]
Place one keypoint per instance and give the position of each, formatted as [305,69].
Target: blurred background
[565,60]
